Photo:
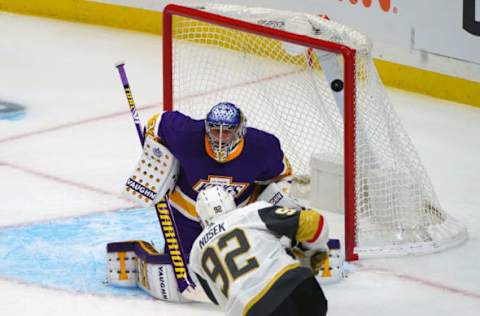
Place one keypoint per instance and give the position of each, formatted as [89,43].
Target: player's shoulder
[176,127]
[248,212]
[274,214]
[261,138]
[169,115]
[258,205]
[179,120]
[260,134]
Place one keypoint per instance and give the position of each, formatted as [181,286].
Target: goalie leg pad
[122,264]
[158,279]
[138,263]
[332,269]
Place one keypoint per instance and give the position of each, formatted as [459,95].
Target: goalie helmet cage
[312,83]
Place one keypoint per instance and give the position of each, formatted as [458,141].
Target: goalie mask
[225,127]
[213,201]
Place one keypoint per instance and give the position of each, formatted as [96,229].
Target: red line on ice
[109,116]
[115,114]
[426,282]
[61,180]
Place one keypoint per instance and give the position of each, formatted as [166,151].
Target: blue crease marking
[70,253]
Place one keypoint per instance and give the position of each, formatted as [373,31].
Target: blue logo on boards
[70,254]
[11,111]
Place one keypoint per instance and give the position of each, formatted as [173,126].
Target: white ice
[71,153]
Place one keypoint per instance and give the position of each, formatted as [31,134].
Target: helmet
[213,201]
[225,126]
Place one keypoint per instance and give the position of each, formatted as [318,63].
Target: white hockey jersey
[240,262]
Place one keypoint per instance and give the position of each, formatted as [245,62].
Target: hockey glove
[310,258]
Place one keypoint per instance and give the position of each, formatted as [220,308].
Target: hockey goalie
[164,273]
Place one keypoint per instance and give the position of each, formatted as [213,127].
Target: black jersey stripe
[275,292]
[280,223]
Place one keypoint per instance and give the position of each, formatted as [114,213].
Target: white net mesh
[283,90]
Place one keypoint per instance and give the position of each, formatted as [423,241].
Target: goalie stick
[172,244]
[162,207]
[133,109]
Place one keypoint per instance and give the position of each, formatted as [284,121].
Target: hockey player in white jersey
[241,264]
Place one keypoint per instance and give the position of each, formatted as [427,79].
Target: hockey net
[312,83]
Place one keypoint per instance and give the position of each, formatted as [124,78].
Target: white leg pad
[332,270]
[138,263]
[122,268]
[159,281]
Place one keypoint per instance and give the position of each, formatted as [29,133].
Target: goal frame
[348,54]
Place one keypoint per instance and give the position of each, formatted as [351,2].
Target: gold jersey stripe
[308,225]
[181,202]
[152,125]
[287,171]
[277,276]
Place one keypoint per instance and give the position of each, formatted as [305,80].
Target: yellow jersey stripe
[182,204]
[257,297]
[309,226]
[151,128]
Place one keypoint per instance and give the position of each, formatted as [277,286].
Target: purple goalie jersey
[261,161]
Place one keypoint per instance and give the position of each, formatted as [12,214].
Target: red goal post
[350,95]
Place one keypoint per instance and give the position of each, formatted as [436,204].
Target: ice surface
[63,164]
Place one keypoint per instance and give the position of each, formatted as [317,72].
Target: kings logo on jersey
[234,188]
